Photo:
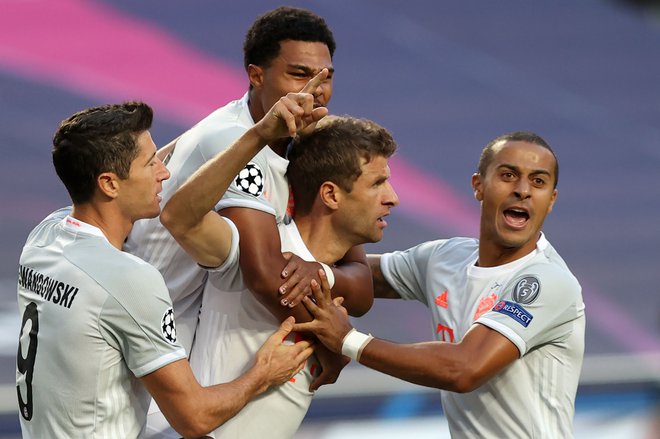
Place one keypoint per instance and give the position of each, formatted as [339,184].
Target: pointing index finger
[314,83]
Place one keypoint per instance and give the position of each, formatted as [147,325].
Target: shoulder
[119,273]
[225,122]
[433,254]
[47,223]
[544,276]
[454,248]
[216,131]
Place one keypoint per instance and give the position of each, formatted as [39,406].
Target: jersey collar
[76,226]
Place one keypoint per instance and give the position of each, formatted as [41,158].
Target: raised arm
[193,410]
[189,215]
[460,367]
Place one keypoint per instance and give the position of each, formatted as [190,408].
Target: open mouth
[381,220]
[515,217]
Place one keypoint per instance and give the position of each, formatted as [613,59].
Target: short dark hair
[96,140]
[262,42]
[516,136]
[332,152]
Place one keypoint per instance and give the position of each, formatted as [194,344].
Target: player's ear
[477,187]
[329,193]
[108,184]
[552,200]
[255,75]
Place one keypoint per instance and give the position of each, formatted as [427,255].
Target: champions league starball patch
[527,289]
[168,327]
[250,180]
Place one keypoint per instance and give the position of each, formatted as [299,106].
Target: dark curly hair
[262,42]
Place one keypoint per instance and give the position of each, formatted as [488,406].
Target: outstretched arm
[382,288]
[189,215]
[459,367]
[193,410]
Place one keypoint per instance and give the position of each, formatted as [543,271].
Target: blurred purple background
[444,77]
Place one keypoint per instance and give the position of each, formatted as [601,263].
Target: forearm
[353,282]
[458,367]
[200,193]
[430,364]
[221,402]
[193,410]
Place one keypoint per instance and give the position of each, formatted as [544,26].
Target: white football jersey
[535,302]
[93,319]
[262,185]
[233,326]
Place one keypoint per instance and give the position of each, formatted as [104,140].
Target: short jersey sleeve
[249,188]
[139,321]
[537,306]
[406,271]
[232,259]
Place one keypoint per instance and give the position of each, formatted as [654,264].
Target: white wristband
[353,344]
[329,274]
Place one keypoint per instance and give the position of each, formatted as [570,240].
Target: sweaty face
[516,193]
[296,63]
[361,213]
[139,192]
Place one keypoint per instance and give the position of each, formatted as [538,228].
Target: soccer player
[284,49]
[98,333]
[340,180]
[507,313]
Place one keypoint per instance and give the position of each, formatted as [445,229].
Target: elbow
[262,283]
[193,428]
[190,431]
[168,220]
[466,379]
[464,384]
[172,223]
[361,306]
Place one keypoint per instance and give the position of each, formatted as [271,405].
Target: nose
[522,189]
[391,198]
[163,173]
[322,93]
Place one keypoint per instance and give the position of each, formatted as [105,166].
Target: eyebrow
[517,169]
[151,157]
[310,71]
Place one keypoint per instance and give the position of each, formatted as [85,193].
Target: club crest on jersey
[250,180]
[515,311]
[168,327]
[527,289]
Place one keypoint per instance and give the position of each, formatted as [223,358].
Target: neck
[493,255]
[114,226]
[321,238]
[254,105]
